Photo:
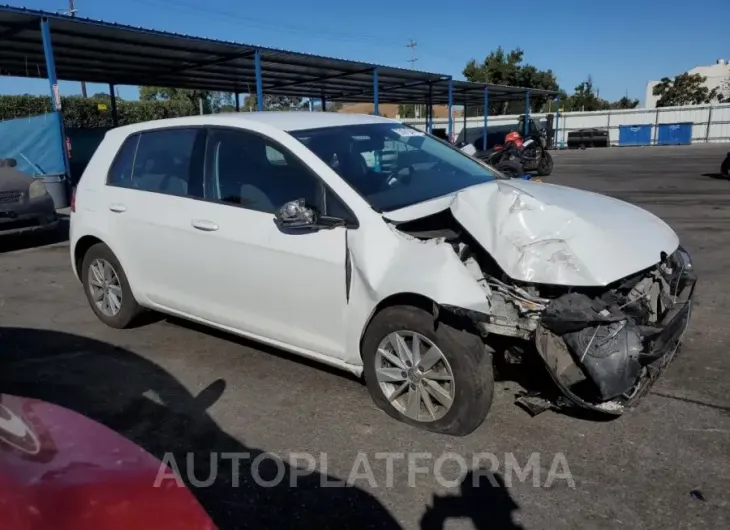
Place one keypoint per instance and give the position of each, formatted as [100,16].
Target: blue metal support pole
[429,125]
[556,144]
[376,106]
[451,106]
[113,97]
[238,103]
[259,81]
[527,113]
[324,103]
[486,117]
[55,93]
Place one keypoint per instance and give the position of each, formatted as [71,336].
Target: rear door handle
[118,208]
[204,225]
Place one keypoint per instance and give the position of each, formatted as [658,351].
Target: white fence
[710,123]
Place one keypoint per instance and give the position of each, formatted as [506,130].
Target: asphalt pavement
[175,388]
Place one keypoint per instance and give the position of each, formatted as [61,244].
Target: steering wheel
[392,178]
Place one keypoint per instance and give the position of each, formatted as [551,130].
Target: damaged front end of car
[603,345]
[605,350]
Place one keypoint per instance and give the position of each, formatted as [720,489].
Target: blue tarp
[35,143]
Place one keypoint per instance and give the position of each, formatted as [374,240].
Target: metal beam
[556,144]
[486,117]
[14,30]
[113,96]
[202,64]
[323,78]
[55,94]
[384,89]
[527,112]
[259,81]
[376,109]
[451,106]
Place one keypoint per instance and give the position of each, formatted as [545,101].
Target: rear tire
[463,355]
[107,288]
[725,167]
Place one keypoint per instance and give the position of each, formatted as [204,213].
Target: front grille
[10,196]
[19,223]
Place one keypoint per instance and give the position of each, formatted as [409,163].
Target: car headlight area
[37,189]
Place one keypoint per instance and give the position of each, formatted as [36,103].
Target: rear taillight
[73,200]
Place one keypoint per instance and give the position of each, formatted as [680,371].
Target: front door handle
[117,208]
[204,225]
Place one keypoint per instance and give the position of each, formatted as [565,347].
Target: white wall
[711,122]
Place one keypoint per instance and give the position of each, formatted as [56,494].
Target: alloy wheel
[415,376]
[105,287]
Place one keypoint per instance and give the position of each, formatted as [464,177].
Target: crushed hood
[544,233]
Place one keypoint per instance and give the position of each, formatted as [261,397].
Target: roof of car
[286,121]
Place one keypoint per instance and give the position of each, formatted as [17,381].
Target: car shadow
[483,499]
[718,176]
[151,317]
[144,403]
[28,240]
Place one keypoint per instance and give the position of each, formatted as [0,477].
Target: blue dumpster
[634,134]
[674,134]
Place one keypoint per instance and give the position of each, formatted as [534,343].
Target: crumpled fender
[385,263]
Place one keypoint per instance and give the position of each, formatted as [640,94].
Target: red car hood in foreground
[62,471]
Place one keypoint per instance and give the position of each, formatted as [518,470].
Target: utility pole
[72,12]
[412,45]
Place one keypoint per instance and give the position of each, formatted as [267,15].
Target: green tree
[213,101]
[272,102]
[625,103]
[507,68]
[685,89]
[407,110]
[584,98]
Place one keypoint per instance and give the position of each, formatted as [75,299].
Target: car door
[149,202]
[285,286]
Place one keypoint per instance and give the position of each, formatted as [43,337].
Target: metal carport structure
[78,49]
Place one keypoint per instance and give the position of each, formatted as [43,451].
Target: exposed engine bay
[603,346]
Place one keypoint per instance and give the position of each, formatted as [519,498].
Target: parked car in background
[287,228]
[25,204]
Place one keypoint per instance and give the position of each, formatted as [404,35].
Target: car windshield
[392,165]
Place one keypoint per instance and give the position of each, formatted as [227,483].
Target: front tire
[426,373]
[545,167]
[107,288]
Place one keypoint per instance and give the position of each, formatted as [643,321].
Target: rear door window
[163,161]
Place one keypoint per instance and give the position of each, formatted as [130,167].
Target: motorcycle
[532,154]
[505,158]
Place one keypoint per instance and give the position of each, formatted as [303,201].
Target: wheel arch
[401,299]
[81,248]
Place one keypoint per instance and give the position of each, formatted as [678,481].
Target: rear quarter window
[120,172]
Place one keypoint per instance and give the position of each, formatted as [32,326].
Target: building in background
[716,74]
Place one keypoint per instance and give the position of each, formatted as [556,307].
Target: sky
[621,44]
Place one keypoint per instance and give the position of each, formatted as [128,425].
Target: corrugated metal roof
[104,52]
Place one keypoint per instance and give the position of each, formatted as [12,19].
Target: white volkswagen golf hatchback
[368,245]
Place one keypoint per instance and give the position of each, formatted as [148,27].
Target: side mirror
[295,214]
